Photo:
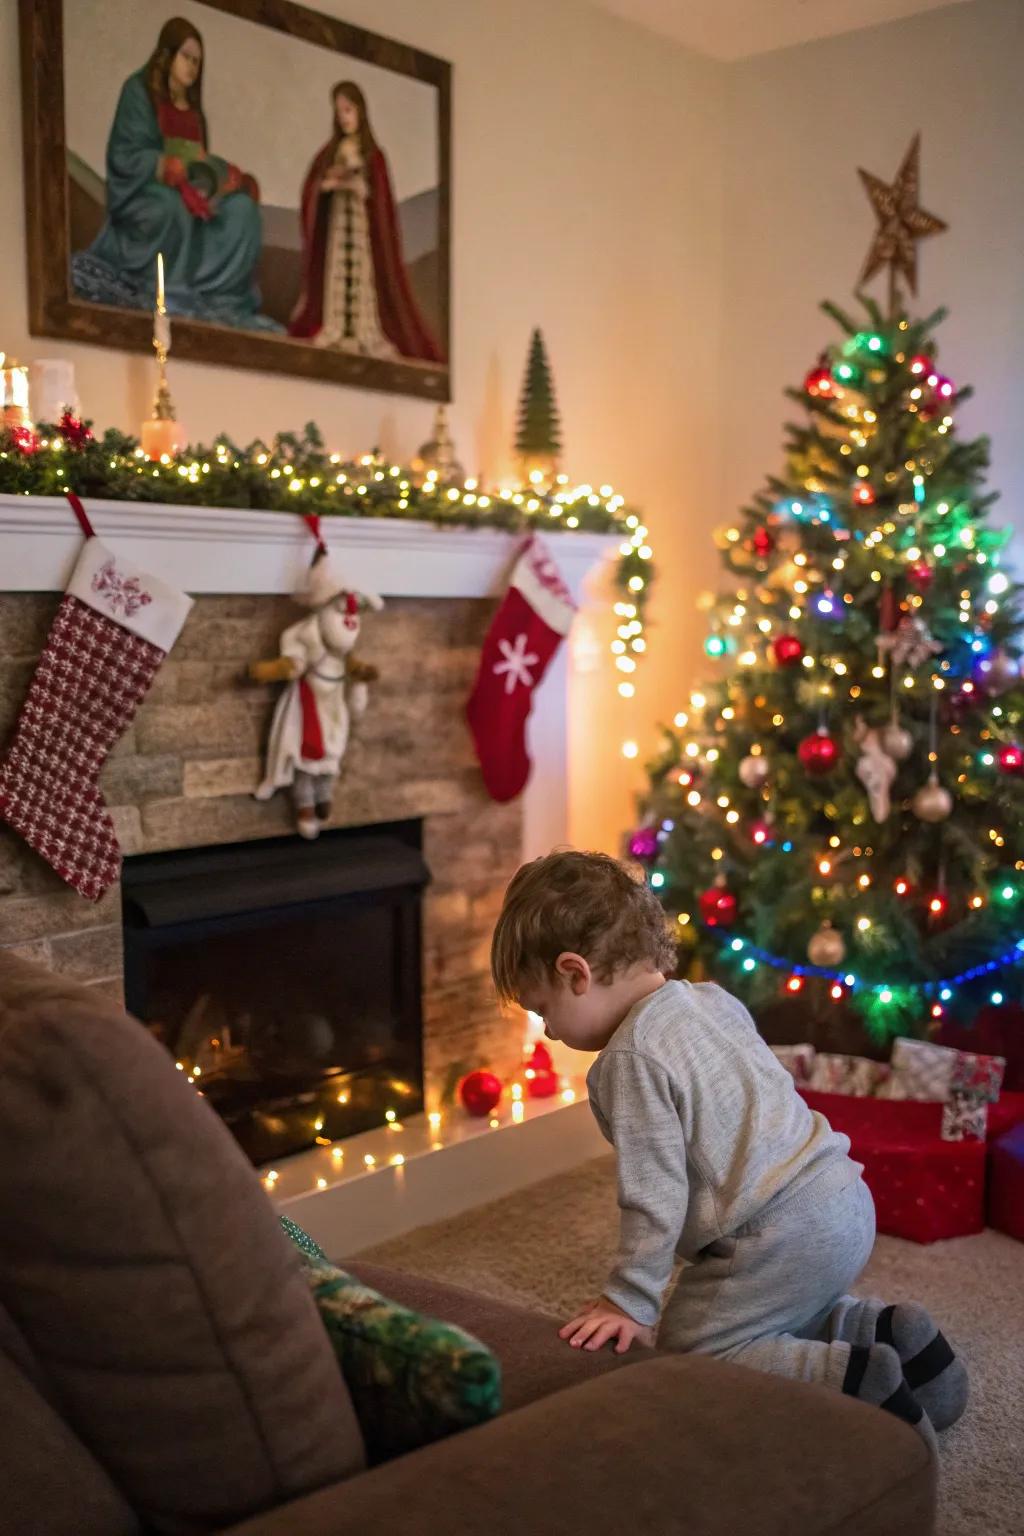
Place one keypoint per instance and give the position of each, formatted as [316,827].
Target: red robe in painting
[400,316]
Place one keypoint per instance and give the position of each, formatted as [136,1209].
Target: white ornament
[826,947]
[932,802]
[910,644]
[896,740]
[876,771]
[1000,673]
[753,771]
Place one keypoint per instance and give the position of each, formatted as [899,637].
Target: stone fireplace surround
[183,775]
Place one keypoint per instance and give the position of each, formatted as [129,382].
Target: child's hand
[601,1320]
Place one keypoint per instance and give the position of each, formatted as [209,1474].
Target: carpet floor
[548,1247]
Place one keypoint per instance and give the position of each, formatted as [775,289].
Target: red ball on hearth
[542,1085]
[763,543]
[539,1059]
[820,381]
[920,575]
[480,1092]
[787,650]
[818,753]
[718,907]
[1011,758]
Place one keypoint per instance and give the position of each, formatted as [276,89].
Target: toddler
[720,1161]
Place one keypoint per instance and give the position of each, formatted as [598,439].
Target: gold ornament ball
[932,802]
[826,947]
[753,771]
[896,741]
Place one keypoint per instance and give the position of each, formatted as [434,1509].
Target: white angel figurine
[875,769]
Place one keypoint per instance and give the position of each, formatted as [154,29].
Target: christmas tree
[538,432]
[840,814]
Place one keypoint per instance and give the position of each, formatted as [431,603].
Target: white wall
[586,200]
[799,223]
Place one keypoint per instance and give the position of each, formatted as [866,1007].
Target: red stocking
[528,628]
[112,630]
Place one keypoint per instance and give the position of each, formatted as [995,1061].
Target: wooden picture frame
[55,307]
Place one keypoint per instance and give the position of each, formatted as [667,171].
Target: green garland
[295,473]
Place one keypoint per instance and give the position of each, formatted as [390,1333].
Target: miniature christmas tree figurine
[538,431]
[841,815]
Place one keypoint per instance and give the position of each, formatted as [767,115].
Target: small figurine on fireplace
[327,688]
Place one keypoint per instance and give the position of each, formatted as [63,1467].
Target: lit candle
[161,306]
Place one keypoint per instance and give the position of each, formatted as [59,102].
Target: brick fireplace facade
[183,777]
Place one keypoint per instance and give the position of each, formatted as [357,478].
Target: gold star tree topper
[901,223]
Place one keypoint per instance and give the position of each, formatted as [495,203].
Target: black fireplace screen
[285,979]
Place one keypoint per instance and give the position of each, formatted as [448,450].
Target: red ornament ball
[480,1092]
[1011,758]
[787,650]
[920,575]
[718,907]
[819,753]
[820,381]
[763,542]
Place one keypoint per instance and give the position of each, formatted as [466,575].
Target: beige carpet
[548,1247]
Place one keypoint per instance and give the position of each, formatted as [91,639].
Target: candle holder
[161,434]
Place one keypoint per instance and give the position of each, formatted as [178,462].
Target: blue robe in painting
[209,266]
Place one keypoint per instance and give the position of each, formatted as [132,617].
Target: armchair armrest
[676,1444]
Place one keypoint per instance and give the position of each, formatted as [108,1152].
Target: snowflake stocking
[111,632]
[528,628]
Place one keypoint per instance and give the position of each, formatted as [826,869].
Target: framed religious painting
[292,171]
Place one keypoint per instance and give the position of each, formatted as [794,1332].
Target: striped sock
[931,1368]
[875,1375]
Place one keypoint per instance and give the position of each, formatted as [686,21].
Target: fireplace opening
[285,979]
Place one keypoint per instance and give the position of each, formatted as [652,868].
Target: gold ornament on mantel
[438,454]
[901,223]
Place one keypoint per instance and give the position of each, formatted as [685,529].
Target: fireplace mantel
[224,550]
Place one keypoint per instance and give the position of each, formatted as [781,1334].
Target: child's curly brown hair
[584,903]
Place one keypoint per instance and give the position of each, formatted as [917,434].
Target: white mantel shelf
[208,550]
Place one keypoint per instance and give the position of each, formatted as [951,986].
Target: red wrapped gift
[979,1076]
[965,1117]
[1006,1183]
[924,1188]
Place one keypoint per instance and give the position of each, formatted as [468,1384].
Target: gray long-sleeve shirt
[709,1133]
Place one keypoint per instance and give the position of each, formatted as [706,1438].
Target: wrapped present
[981,1077]
[798,1060]
[964,1118]
[855,1076]
[923,1070]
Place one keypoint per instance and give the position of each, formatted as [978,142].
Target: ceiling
[735,29]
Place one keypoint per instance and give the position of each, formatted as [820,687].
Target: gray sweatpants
[773,1296]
